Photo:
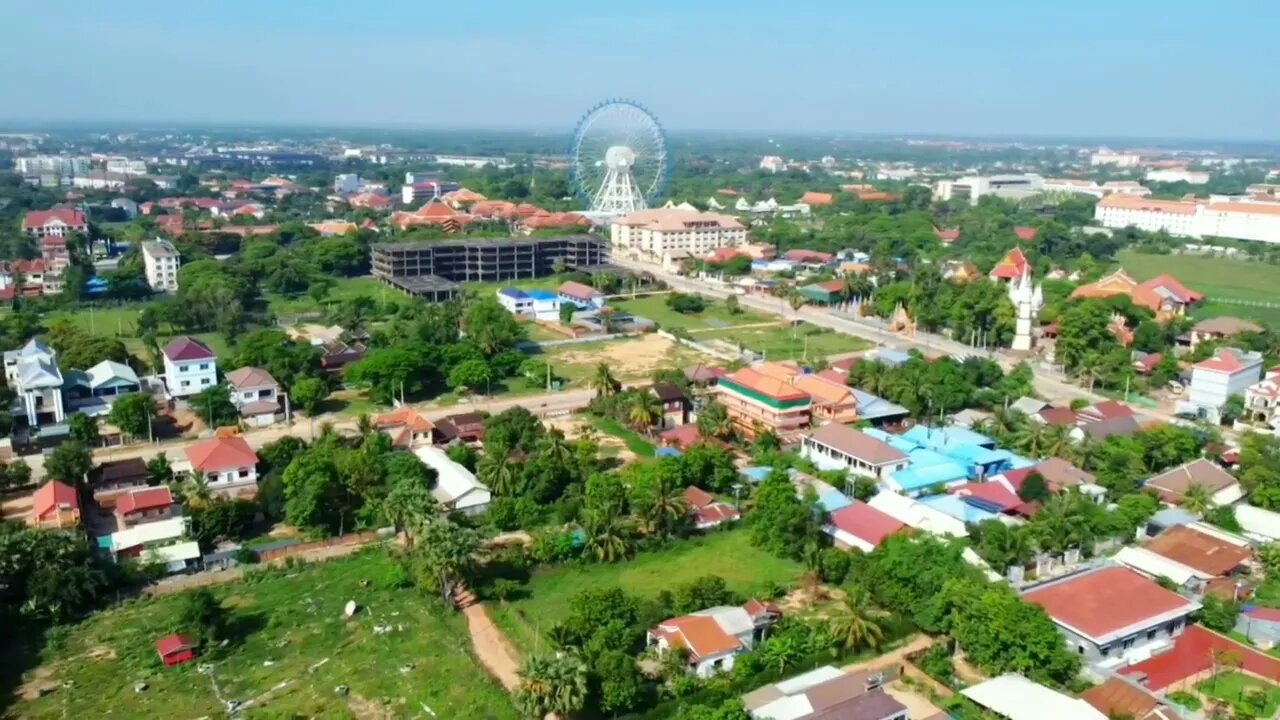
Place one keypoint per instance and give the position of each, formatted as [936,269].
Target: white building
[1234,218]
[347,183]
[160,260]
[711,639]
[1191,177]
[125,166]
[772,163]
[52,164]
[162,541]
[33,375]
[1120,160]
[656,233]
[1230,372]
[840,447]
[189,367]
[228,465]
[1017,698]
[976,187]
[456,487]
[1092,188]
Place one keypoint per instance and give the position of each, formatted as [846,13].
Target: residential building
[655,234]
[228,465]
[1116,159]
[584,296]
[541,305]
[1234,218]
[347,183]
[772,163]
[712,638]
[1112,615]
[66,165]
[160,261]
[708,512]
[917,515]
[1163,295]
[33,375]
[143,505]
[93,391]
[828,693]
[860,526]
[59,221]
[256,394]
[111,479]
[1221,328]
[840,447]
[1229,372]
[1173,484]
[406,427]
[1014,697]
[1192,556]
[1262,399]
[189,367]
[754,400]
[461,427]
[129,207]
[417,191]
[1173,175]
[1121,697]
[162,541]
[55,504]
[457,488]
[973,187]
[675,404]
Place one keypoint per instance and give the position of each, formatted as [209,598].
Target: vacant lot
[402,653]
[716,315]
[730,555]
[782,342]
[343,289]
[628,359]
[1237,689]
[1220,280]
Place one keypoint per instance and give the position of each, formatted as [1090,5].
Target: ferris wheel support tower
[618,158]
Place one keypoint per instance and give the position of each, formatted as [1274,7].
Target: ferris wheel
[619,158]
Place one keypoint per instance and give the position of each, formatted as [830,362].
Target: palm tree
[552,684]
[714,422]
[1057,440]
[644,410]
[606,537]
[1082,452]
[796,301]
[664,505]
[499,471]
[364,425]
[196,490]
[781,652]
[603,381]
[1198,499]
[1062,523]
[1031,439]
[555,448]
[857,624]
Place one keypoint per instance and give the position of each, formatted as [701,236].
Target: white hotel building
[667,234]
[1235,218]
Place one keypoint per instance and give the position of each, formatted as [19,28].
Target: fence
[701,347]
[278,551]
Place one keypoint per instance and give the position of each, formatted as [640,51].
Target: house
[58,221]
[113,478]
[675,404]
[712,638]
[457,488]
[161,541]
[1014,697]
[810,258]
[1173,484]
[831,401]
[1194,655]
[681,437]
[1229,372]
[840,447]
[1103,419]
[1025,233]
[1191,556]
[143,505]
[189,366]
[753,399]
[917,515]
[1059,475]
[1012,267]
[1221,328]
[338,354]
[160,261]
[176,649]
[93,391]
[860,526]
[1112,614]
[827,693]
[228,465]
[708,512]
[462,427]
[55,504]
[540,304]
[584,296]
[1163,295]
[817,198]
[1262,399]
[256,394]
[960,271]
[406,427]
[1120,697]
[704,375]
[32,374]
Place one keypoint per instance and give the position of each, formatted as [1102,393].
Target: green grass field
[1235,687]
[343,289]
[782,343]
[1219,279]
[291,622]
[634,441]
[716,315]
[746,569]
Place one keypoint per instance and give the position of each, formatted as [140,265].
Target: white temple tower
[1027,300]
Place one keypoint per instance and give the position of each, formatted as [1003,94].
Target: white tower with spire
[1027,300]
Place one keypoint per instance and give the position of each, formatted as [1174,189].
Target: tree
[1198,499]
[703,592]
[1033,488]
[48,575]
[567,309]
[782,523]
[657,495]
[71,462]
[213,405]
[500,471]
[552,684]
[1218,614]
[606,538]
[134,414]
[83,428]
[603,382]
[491,327]
[856,625]
[159,472]
[643,410]
[391,371]
[202,617]
[714,422]
[731,304]
[309,393]
[444,556]
[471,375]
[686,304]
[314,493]
[1232,409]
[622,688]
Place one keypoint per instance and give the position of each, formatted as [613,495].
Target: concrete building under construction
[433,270]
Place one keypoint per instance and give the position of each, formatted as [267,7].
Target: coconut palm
[1062,523]
[499,471]
[1030,439]
[856,624]
[364,425]
[552,684]
[661,503]
[1083,450]
[1057,440]
[603,381]
[607,539]
[196,491]
[1198,499]
[556,448]
[714,422]
[644,410]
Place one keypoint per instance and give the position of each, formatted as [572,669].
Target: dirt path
[747,326]
[918,643]
[492,647]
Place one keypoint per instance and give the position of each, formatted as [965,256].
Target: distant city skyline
[998,69]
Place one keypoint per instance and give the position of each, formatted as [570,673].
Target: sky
[1081,68]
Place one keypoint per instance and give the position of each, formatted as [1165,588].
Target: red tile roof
[947,235]
[696,497]
[170,644]
[51,496]
[817,198]
[222,454]
[715,513]
[187,348]
[40,218]
[1108,410]
[404,416]
[578,291]
[1225,361]
[1193,653]
[1011,266]
[801,256]
[1058,416]
[140,499]
[993,492]
[701,634]
[1108,602]
[682,437]
[865,522]
[1025,234]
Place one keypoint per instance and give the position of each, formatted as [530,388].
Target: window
[204,366]
[244,473]
[186,383]
[184,368]
[1128,643]
[204,381]
[1151,634]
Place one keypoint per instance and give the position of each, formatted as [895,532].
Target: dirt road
[492,647]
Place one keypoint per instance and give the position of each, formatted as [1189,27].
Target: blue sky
[1138,68]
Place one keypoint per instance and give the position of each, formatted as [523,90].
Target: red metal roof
[170,644]
[222,454]
[141,499]
[1102,602]
[53,495]
[993,492]
[696,497]
[1025,234]
[187,348]
[578,291]
[865,522]
[1193,653]
[40,218]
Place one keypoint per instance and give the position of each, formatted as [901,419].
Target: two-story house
[189,366]
[32,374]
[58,221]
[1262,399]
[256,394]
[114,478]
[840,447]
[714,637]
[227,464]
[162,541]
[1230,372]
[92,391]
[675,404]
[55,505]
[143,505]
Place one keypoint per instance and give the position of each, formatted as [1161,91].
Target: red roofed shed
[176,649]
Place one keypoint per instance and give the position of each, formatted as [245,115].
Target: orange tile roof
[701,635]
[817,198]
[1117,283]
[1130,202]
[221,453]
[1198,550]
[1012,266]
[404,417]
[51,495]
[825,392]
[776,388]
[1239,207]
[1103,602]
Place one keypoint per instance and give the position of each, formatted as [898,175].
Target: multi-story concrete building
[754,401]
[33,375]
[189,367]
[1234,218]
[59,221]
[160,260]
[64,165]
[659,234]
[1229,372]
[1172,175]
[1120,160]
[975,187]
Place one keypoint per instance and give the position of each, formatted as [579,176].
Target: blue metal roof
[889,357]
[513,293]
[666,452]
[872,407]
[833,500]
[957,508]
[947,437]
[756,474]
